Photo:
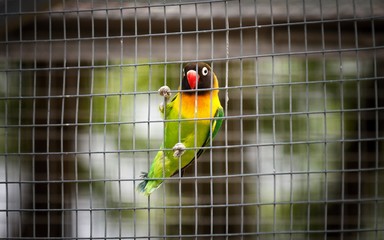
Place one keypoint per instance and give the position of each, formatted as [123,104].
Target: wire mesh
[299,154]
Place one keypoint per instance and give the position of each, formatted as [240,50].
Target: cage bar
[297,156]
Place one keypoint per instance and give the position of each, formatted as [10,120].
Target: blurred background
[299,155]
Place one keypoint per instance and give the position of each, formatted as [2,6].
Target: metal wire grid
[298,155]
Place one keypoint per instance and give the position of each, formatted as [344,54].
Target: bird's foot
[165,91]
[178,149]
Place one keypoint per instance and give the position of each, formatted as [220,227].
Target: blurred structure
[298,155]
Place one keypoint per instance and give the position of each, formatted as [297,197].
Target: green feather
[186,125]
[165,164]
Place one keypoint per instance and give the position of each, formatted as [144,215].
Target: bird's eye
[204,71]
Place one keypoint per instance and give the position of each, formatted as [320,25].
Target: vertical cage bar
[7,76]
[48,129]
[273,81]
[75,199]
[226,114]
[377,125]
[325,137]
[91,114]
[119,119]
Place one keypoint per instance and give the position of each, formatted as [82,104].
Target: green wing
[168,106]
[216,124]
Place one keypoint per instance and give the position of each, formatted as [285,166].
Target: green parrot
[201,118]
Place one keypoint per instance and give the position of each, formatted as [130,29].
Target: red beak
[192,78]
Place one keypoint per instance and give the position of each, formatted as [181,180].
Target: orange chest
[191,106]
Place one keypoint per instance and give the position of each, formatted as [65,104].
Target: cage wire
[299,154]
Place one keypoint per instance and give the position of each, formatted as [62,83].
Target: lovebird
[197,115]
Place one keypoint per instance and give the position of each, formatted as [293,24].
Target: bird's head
[198,76]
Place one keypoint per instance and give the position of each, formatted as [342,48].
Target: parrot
[193,116]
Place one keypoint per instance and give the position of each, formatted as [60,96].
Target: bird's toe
[161,107]
[165,91]
[178,150]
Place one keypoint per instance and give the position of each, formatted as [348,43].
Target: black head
[197,76]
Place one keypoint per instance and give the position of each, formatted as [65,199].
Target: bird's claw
[165,91]
[161,107]
[178,149]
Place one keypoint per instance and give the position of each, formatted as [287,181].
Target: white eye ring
[204,71]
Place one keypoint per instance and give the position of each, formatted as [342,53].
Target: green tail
[147,186]
[143,184]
